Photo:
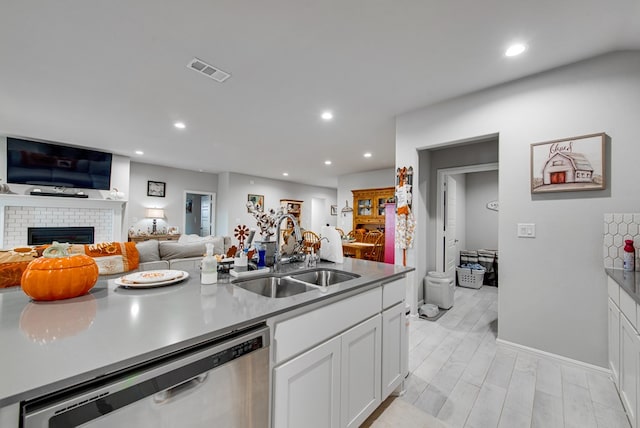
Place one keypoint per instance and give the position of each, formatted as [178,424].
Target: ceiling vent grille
[208,70]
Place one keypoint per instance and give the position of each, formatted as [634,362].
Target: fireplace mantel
[58,202]
[11,228]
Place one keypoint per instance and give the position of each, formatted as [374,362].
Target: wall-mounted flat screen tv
[47,164]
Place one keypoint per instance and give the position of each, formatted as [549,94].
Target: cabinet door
[629,345]
[364,206]
[306,390]
[380,202]
[393,348]
[614,341]
[360,366]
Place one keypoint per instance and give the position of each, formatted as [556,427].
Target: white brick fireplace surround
[18,212]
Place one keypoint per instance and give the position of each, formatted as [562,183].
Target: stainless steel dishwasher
[222,383]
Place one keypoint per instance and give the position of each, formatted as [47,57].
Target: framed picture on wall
[258,201]
[334,210]
[568,165]
[156,188]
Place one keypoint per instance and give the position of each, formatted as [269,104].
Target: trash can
[439,289]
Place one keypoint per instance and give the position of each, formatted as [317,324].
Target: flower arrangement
[266,221]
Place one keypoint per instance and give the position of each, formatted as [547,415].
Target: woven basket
[471,278]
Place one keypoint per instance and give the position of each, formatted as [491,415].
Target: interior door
[199,216]
[205,215]
[450,241]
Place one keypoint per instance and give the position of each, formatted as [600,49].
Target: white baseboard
[549,356]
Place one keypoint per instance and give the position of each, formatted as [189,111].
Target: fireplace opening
[72,235]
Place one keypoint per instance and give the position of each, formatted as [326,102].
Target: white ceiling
[112,75]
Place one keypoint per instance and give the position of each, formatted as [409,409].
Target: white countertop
[52,345]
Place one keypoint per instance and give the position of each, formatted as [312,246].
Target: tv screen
[46,164]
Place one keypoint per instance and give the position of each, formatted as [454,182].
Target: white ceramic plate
[151,276]
[123,282]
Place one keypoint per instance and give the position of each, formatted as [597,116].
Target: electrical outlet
[526,230]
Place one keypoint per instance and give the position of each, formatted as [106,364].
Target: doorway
[455,217]
[199,213]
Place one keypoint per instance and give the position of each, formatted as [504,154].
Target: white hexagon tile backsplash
[617,228]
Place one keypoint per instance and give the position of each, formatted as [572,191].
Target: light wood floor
[460,377]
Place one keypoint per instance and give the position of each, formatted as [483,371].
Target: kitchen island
[55,345]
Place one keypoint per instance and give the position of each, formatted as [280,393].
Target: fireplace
[72,235]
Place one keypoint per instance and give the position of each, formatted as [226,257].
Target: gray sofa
[175,254]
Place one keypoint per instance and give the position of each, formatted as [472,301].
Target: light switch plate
[526,230]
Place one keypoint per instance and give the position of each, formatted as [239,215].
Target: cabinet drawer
[614,291]
[628,307]
[299,333]
[393,292]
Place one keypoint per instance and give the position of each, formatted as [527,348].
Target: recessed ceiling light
[515,50]
[326,115]
[139,152]
[367,155]
[180,125]
[286,174]
[327,162]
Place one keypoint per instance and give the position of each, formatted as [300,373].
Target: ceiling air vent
[208,70]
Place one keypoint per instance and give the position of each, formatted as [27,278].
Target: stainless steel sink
[324,277]
[284,286]
[273,286]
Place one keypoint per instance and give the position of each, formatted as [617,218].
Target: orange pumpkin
[57,275]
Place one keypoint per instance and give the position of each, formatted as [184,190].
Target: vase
[270,251]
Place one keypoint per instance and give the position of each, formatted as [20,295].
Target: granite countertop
[629,281]
[52,345]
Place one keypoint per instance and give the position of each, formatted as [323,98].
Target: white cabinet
[335,384]
[628,377]
[613,314]
[334,365]
[307,388]
[360,366]
[393,348]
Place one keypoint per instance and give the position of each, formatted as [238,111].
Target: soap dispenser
[209,267]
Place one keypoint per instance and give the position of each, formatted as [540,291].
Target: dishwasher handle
[181,388]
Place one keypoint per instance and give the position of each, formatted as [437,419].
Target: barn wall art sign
[571,164]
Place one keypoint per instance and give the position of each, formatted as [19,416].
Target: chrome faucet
[277,257]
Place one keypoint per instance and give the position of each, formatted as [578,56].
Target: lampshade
[155,213]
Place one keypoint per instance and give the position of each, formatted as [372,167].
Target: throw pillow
[149,251]
[111,257]
[219,244]
[175,250]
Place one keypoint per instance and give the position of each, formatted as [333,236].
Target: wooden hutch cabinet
[293,207]
[368,207]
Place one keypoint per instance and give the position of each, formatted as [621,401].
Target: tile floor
[460,377]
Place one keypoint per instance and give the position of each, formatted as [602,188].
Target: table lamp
[154,213]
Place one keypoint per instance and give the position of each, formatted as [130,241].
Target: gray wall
[178,181]
[552,294]
[482,223]
[231,203]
